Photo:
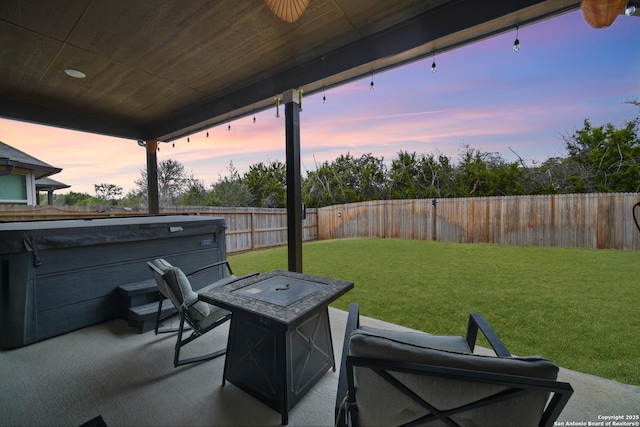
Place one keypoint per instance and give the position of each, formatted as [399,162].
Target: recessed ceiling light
[75,73]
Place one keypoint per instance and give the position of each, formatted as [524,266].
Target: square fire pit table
[279,341]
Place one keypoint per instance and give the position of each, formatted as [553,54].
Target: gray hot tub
[58,276]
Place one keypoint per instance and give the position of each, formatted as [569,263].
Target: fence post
[253,231]
[384,219]
[433,219]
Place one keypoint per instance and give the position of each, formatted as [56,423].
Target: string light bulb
[433,64]
[516,44]
[207,133]
[372,85]
[277,99]
[324,97]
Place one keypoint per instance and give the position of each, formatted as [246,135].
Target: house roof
[43,184]
[12,158]
[161,69]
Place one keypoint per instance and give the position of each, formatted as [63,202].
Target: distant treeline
[598,159]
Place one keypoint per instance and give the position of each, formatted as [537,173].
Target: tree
[609,157]
[360,178]
[439,176]
[487,174]
[319,187]
[404,177]
[230,191]
[172,182]
[347,179]
[108,192]
[414,176]
[372,175]
[268,184]
[554,176]
[71,198]
[133,199]
[196,194]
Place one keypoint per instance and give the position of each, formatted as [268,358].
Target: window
[13,189]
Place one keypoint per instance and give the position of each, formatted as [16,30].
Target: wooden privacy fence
[248,228]
[597,221]
[259,228]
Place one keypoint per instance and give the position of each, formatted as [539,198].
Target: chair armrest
[255,273]
[476,321]
[353,322]
[154,268]
[215,264]
[226,281]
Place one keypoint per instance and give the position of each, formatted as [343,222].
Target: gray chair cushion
[420,339]
[379,403]
[180,291]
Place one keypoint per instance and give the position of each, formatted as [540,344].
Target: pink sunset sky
[484,95]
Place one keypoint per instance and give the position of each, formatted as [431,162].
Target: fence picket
[594,220]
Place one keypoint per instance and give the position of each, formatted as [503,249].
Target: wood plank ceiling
[162,69]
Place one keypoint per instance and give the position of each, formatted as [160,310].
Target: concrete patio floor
[129,379]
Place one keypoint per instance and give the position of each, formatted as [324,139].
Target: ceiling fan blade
[288,10]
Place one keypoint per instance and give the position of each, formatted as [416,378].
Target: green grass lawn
[577,307]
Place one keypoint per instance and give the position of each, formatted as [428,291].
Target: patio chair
[413,378]
[195,315]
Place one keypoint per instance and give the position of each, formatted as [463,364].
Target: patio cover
[164,69]
[160,70]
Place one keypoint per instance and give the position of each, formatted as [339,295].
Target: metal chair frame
[185,318]
[346,409]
